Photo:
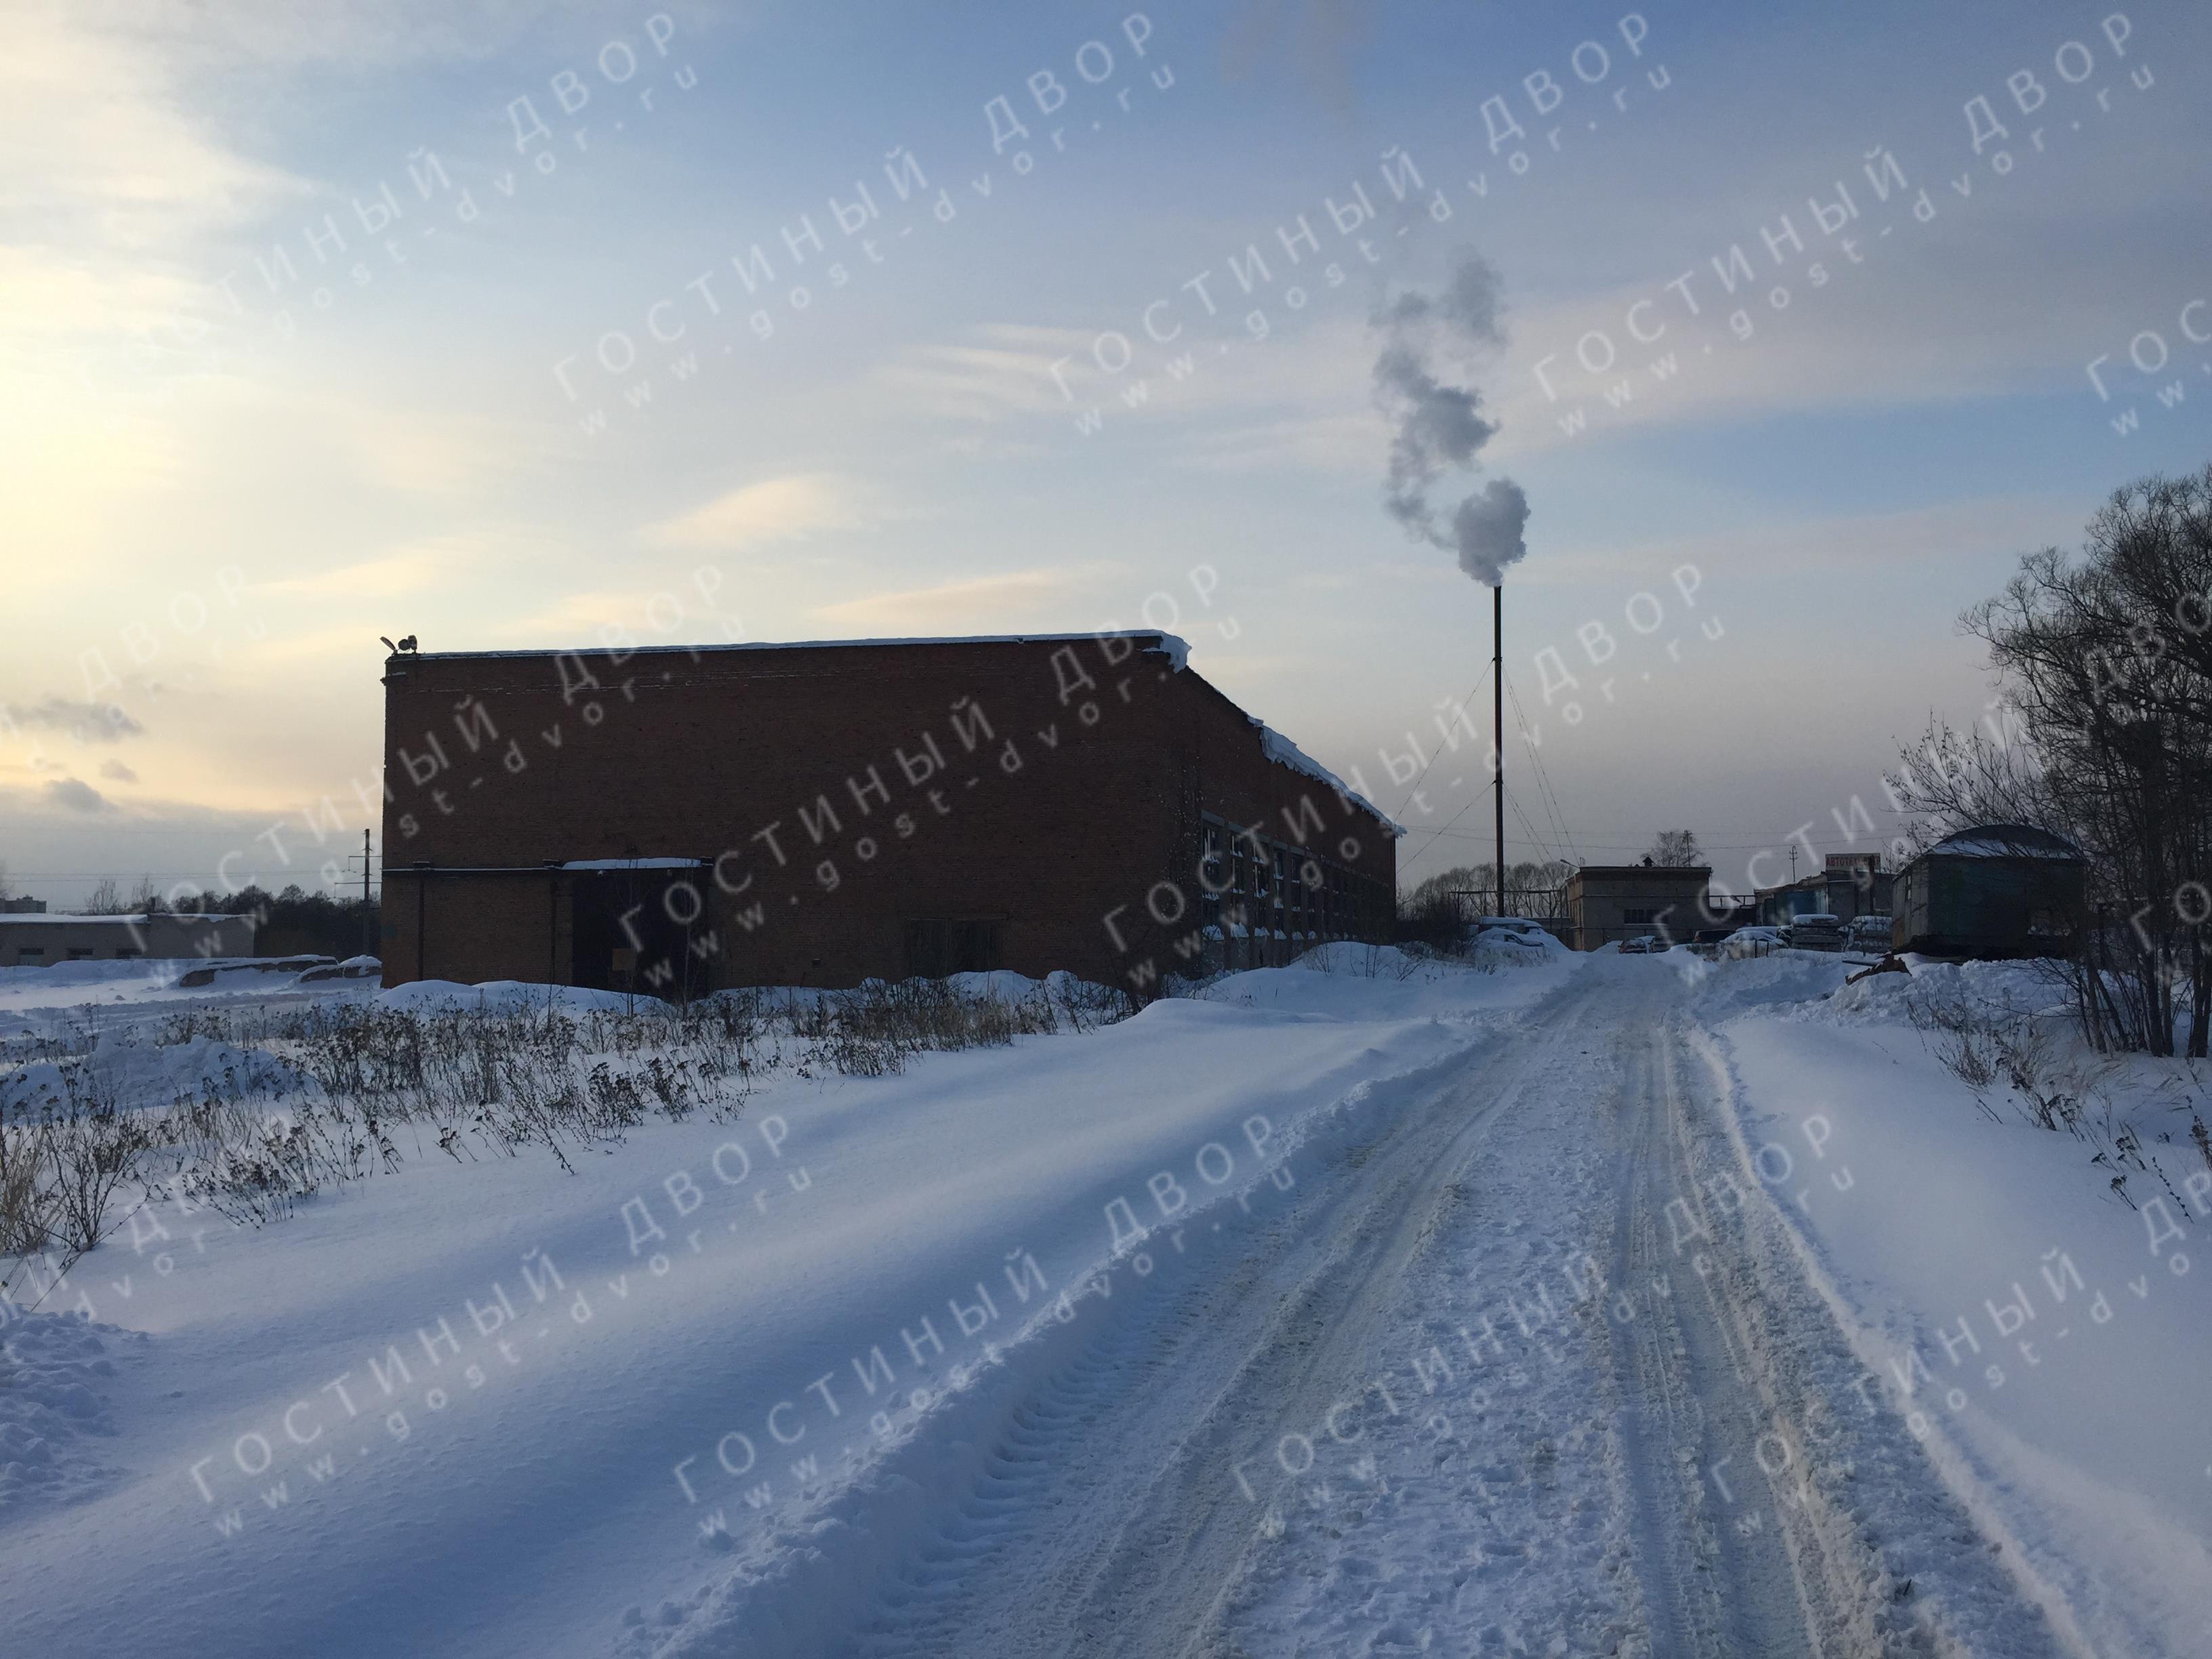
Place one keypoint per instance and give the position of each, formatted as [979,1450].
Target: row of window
[1262,886]
[34,955]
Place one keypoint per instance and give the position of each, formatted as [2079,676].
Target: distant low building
[39,940]
[1609,903]
[22,907]
[1849,885]
[1998,890]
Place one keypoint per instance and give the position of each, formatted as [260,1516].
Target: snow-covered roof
[1168,645]
[18,919]
[633,864]
[2005,841]
[1281,751]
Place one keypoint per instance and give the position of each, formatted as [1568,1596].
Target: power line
[1415,787]
[1543,777]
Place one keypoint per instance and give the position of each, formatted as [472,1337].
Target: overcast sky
[255,412]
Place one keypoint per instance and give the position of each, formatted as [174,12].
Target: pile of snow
[1346,980]
[1728,986]
[78,985]
[1998,989]
[134,1075]
[351,968]
[89,972]
[1500,947]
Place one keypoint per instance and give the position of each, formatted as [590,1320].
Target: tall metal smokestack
[1497,726]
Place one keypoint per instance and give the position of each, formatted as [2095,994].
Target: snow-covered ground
[1369,1305]
[2041,1332]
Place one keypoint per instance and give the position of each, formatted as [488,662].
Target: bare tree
[1533,888]
[2105,737]
[107,899]
[145,897]
[7,887]
[1676,849]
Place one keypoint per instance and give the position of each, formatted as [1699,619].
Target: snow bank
[27,992]
[124,1070]
[2002,989]
[1732,986]
[794,1282]
[2026,1322]
[1346,980]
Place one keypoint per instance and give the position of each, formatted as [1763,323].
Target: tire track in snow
[1096,1509]
[1127,1532]
[1718,1577]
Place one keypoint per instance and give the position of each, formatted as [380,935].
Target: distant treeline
[290,922]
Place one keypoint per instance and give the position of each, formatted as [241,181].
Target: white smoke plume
[1441,427]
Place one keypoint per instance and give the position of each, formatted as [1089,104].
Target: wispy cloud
[1004,369]
[976,605]
[775,509]
[86,722]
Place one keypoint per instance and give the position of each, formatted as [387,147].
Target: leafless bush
[332,1093]
[1984,1043]
[24,1227]
[1987,1045]
[875,1029]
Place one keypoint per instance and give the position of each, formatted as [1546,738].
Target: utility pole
[1497,723]
[368,916]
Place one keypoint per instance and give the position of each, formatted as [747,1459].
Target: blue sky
[211,512]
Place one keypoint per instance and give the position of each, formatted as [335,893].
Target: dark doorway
[628,934]
[936,947]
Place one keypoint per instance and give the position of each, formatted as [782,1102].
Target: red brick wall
[1049,823]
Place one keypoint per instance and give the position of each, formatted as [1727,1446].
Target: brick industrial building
[680,819]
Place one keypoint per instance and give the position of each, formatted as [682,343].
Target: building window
[31,955]
[80,952]
[1639,918]
[1214,875]
[123,953]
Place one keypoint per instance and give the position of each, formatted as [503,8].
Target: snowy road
[1478,1389]
[1556,1310]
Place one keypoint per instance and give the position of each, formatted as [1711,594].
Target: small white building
[37,941]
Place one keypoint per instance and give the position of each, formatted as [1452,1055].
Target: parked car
[1868,933]
[1643,944]
[1707,941]
[1756,941]
[1508,930]
[1814,932]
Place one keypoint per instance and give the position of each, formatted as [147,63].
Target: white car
[1757,941]
[1644,944]
[1814,932]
